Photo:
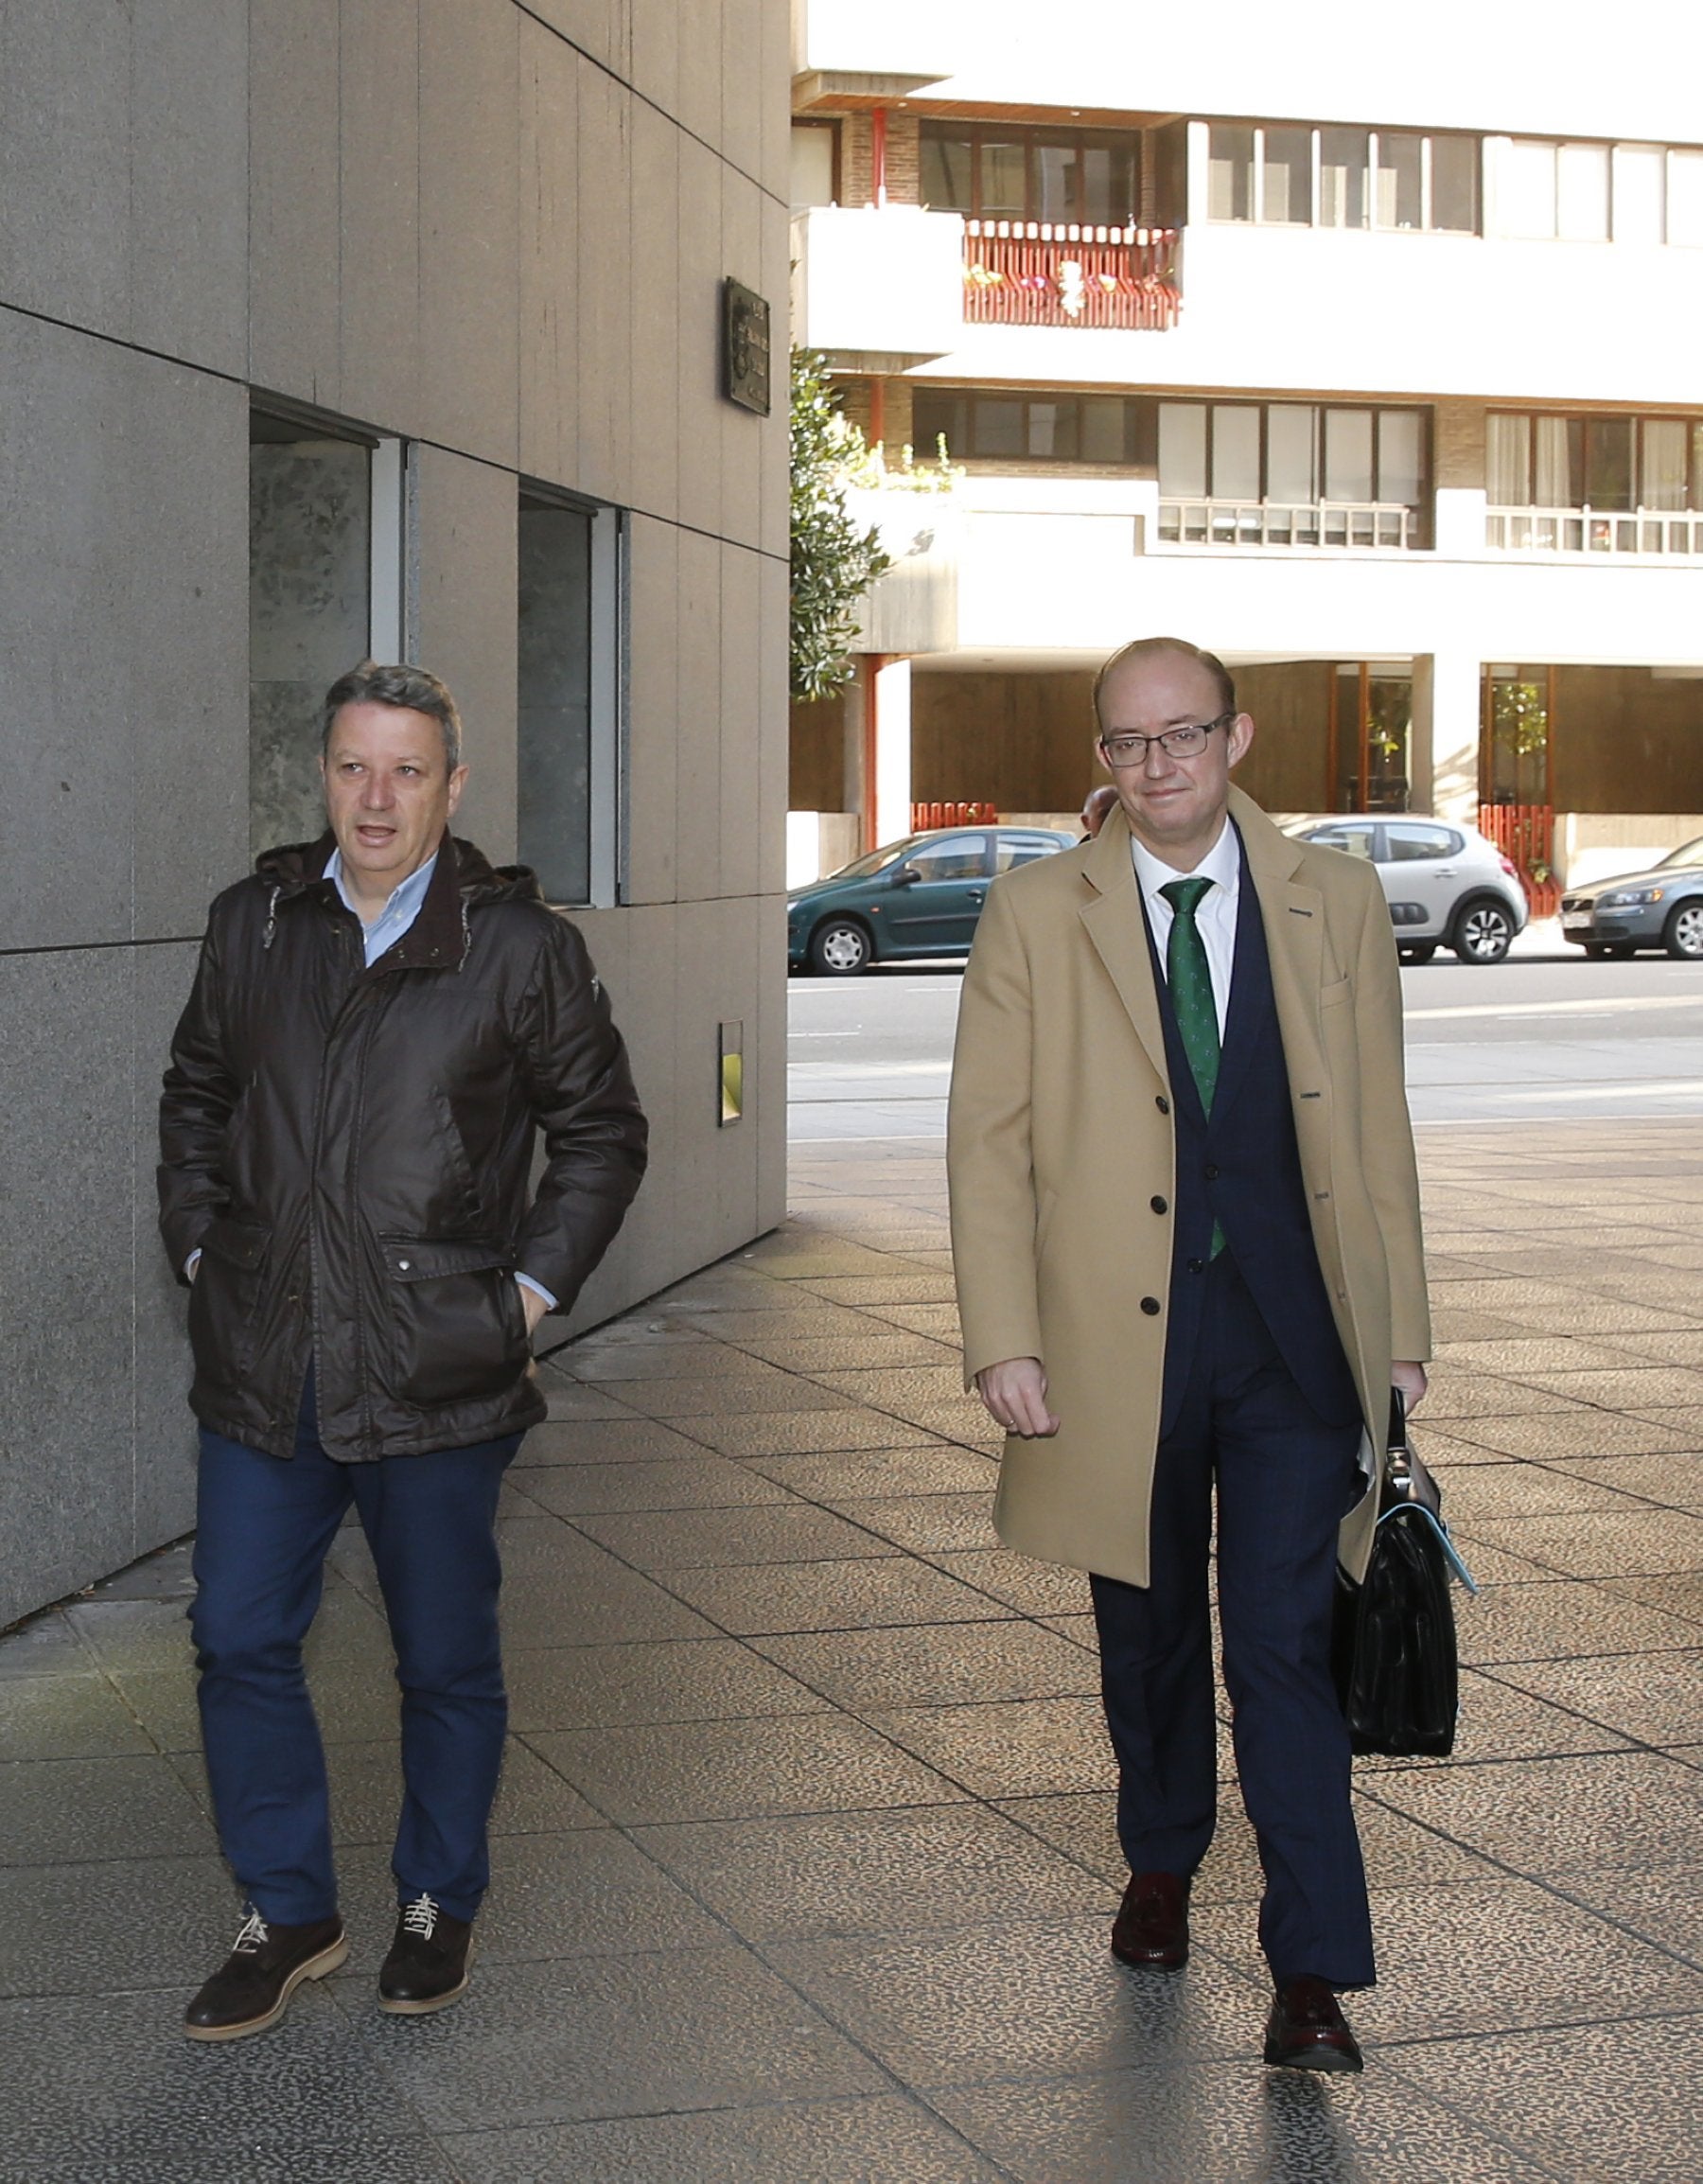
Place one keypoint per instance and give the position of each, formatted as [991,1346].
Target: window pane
[1637,192]
[1110,196]
[1609,461]
[1230,173]
[1348,454]
[1685,197]
[1661,477]
[1104,431]
[947,167]
[1291,432]
[1058,184]
[1696,465]
[1555,481]
[554,699]
[1454,184]
[309,578]
[998,427]
[1183,449]
[1287,187]
[1235,452]
[1526,190]
[1407,843]
[1052,430]
[1398,179]
[1401,456]
[1508,462]
[959,857]
[1343,157]
[1004,189]
[1582,192]
[812,164]
[935,418]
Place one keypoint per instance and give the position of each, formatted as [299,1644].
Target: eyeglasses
[1189,742]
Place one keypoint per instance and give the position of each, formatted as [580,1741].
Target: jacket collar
[462,880]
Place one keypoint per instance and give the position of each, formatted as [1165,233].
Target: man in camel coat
[1186,1225]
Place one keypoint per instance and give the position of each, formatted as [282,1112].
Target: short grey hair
[408,688]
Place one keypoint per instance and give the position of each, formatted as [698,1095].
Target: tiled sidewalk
[805,1862]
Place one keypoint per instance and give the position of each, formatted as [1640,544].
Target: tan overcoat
[1060,1157]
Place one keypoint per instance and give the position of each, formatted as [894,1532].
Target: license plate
[1577,921]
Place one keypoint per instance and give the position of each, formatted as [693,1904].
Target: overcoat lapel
[1293,916]
[1118,931]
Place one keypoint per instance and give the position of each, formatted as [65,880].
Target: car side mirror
[906,876]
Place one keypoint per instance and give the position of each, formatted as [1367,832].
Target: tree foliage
[834,563]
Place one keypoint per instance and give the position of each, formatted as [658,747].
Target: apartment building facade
[320,335]
[1372,358]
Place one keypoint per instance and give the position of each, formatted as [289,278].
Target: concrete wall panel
[161,1431]
[741,721]
[699,294]
[698,710]
[653,714]
[600,28]
[548,215]
[65,162]
[656,52]
[469,240]
[378,216]
[467,575]
[189,188]
[608,272]
[654,329]
[293,201]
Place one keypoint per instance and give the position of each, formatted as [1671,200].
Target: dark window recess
[1293,453]
[1022,428]
[554,698]
[1091,177]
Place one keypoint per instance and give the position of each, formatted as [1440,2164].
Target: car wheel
[1417,951]
[1607,952]
[840,948]
[1483,932]
[1682,936]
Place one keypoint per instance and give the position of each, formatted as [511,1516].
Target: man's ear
[1241,736]
[458,780]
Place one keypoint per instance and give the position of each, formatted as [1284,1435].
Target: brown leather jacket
[351,1151]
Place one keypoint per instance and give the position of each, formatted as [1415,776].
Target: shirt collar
[1222,864]
[404,899]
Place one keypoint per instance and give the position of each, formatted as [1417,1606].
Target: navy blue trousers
[1284,1479]
[264,1527]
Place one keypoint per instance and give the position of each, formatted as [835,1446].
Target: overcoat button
[1159,1206]
[1210,1172]
[1150,1306]
[1163,1104]
[1197,1266]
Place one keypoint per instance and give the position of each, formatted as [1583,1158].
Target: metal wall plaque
[745,347]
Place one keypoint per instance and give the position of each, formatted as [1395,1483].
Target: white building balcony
[877,288]
[1639,534]
[1038,273]
[1369,524]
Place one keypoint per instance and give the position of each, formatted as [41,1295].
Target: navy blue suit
[1260,1401]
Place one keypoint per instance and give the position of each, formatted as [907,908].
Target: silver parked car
[1660,908]
[1447,886]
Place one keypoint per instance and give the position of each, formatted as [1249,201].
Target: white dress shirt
[1214,914]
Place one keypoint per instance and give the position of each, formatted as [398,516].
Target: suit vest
[1242,1168]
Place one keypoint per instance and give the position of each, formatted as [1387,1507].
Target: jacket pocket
[458,1327]
[224,1298]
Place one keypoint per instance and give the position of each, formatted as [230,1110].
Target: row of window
[326,586]
[994,172]
[1599,193]
[1342,177]
[1302,453]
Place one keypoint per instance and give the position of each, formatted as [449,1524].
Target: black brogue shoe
[1152,1926]
[1306,2029]
[251,1990]
[427,1968]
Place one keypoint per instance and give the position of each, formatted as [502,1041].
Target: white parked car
[1447,886]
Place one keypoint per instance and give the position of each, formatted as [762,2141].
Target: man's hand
[533,1305]
[1015,1394]
[1410,1379]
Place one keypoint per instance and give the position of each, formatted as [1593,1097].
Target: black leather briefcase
[1394,1651]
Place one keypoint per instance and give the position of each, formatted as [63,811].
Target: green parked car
[921,896]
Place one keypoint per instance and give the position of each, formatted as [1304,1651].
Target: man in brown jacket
[382,1028]
[1186,1225]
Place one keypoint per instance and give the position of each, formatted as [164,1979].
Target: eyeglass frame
[1202,727]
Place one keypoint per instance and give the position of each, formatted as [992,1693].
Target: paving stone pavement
[805,1856]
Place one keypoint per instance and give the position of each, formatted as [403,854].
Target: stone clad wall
[499,234]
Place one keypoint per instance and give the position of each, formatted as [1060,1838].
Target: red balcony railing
[1035,273]
[925,816]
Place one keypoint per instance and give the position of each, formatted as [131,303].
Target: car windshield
[1687,854]
[877,860]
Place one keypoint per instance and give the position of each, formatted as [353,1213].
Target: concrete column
[1446,735]
[855,798]
[892,695]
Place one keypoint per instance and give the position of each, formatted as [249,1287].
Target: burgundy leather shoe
[1152,1926]
[1306,2029]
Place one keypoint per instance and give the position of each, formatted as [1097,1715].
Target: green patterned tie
[1190,976]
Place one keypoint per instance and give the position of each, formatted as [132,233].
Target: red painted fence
[1526,833]
[1040,274]
[925,816]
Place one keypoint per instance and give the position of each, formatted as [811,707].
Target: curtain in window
[1183,449]
[1554,480]
[1662,471]
[1508,462]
